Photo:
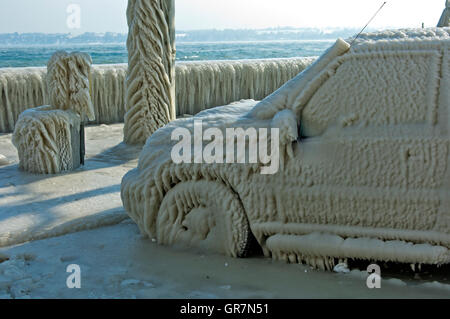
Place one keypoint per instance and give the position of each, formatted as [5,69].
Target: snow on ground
[84,209]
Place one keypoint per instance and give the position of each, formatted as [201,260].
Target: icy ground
[50,222]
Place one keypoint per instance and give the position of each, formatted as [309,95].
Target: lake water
[196,51]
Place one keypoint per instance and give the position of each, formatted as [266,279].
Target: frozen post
[444,20]
[49,139]
[150,95]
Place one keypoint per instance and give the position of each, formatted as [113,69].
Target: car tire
[207,215]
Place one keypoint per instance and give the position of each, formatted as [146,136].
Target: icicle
[23,88]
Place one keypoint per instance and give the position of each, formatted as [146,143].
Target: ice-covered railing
[199,85]
[222,82]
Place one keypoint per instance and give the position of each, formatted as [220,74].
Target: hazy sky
[109,15]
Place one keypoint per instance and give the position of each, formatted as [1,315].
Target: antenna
[368,23]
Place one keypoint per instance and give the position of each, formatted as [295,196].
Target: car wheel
[204,214]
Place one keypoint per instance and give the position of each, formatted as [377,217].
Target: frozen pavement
[39,206]
[116,262]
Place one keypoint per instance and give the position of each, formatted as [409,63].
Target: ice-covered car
[365,137]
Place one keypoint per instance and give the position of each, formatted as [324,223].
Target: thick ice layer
[20,89]
[150,89]
[321,250]
[3,160]
[68,83]
[444,21]
[215,83]
[201,85]
[372,162]
[44,138]
[108,93]
[48,137]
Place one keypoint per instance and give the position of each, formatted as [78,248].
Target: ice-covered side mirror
[286,122]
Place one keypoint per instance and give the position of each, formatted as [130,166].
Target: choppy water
[117,53]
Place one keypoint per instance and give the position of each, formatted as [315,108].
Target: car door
[375,148]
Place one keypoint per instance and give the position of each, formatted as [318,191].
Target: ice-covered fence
[199,85]
[24,88]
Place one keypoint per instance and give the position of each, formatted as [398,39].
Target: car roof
[401,35]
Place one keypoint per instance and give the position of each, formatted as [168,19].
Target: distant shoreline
[21,46]
[193,36]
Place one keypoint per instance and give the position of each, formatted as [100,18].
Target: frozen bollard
[50,139]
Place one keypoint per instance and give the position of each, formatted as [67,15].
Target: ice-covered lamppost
[445,18]
[150,95]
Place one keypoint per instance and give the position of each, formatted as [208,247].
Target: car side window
[377,88]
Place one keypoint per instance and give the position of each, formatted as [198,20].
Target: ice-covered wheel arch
[204,214]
